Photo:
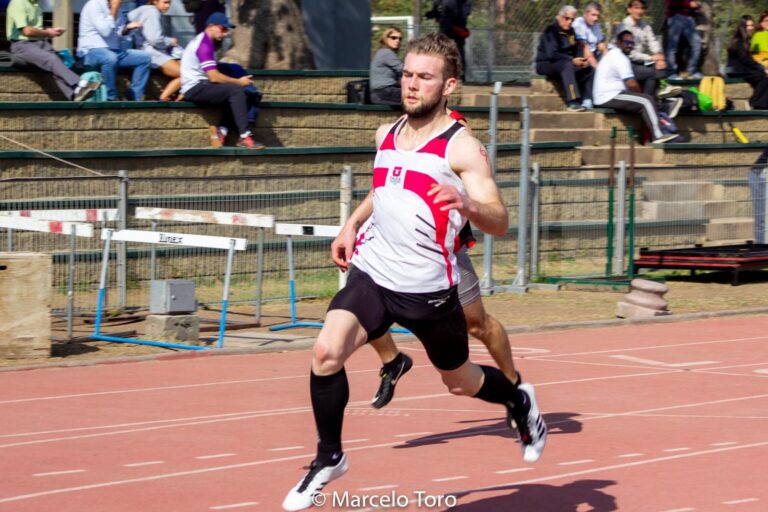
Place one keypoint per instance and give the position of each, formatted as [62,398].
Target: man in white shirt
[589,34]
[615,87]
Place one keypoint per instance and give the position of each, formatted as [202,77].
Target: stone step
[566,120]
[543,102]
[732,90]
[730,228]
[129,125]
[644,155]
[672,191]
[587,136]
[674,210]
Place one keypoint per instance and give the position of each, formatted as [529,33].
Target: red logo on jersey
[395,178]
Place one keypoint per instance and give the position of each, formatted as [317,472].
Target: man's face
[626,44]
[591,17]
[566,20]
[423,84]
[219,32]
[163,5]
[636,10]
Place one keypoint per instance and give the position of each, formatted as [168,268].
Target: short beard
[422,110]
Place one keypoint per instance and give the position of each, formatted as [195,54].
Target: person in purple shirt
[202,82]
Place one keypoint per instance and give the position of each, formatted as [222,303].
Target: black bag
[358,91]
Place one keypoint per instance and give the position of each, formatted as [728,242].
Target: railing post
[521,281]
[486,283]
[621,218]
[122,223]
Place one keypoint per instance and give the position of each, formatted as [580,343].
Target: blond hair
[440,45]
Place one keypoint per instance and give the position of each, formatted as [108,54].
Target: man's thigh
[100,57]
[437,320]
[30,52]
[469,285]
[212,93]
[133,58]
[365,300]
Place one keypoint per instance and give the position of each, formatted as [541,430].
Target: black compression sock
[498,389]
[330,395]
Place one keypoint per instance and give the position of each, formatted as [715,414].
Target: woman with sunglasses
[386,69]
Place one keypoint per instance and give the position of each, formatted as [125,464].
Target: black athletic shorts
[436,318]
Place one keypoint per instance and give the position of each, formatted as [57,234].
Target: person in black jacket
[558,58]
[452,16]
[742,65]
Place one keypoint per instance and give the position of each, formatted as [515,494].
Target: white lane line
[163,476]
[147,463]
[215,456]
[681,449]
[412,434]
[56,473]
[688,509]
[449,478]
[350,441]
[725,443]
[653,362]
[515,470]
[739,502]
[762,371]
[377,488]
[575,462]
[304,376]
[234,505]
[285,449]
[630,455]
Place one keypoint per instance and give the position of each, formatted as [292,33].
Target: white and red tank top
[407,244]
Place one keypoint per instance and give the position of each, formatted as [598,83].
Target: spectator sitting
[157,45]
[612,79]
[759,41]
[558,58]
[202,82]
[98,44]
[680,25]
[742,65]
[589,34]
[30,45]
[648,62]
[386,69]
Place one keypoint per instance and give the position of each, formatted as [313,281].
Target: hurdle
[291,230]
[73,229]
[163,238]
[254,220]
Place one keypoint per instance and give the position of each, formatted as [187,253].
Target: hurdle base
[152,343]
[295,324]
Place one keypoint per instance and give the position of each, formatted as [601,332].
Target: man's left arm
[481,203]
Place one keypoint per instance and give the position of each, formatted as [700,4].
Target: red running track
[657,417]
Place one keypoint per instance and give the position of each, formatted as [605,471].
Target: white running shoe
[300,497]
[533,435]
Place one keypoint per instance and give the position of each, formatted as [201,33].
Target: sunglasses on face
[396,38]
[628,43]
[568,18]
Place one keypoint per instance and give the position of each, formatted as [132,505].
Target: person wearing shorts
[430,177]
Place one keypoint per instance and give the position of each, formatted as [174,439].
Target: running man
[430,177]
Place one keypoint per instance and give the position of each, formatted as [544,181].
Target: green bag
[705,102]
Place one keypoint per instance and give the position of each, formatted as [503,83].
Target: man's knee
[464,380]
[326,359]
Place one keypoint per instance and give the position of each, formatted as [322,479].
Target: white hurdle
[291,230]
[177,239]
[73,229]
[254,220]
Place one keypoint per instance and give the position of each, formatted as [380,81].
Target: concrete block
[666,210]
[732,228]
[173,328]
[682,191]
[626,310]
[644,300]
[25,297]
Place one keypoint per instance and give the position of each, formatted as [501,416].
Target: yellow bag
[714,87]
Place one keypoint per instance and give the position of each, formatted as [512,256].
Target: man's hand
[132,25]
[54,31]
[245,81]
[580,62]
[660,61]
[343,246]
[453,199]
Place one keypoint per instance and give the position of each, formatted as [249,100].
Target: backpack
[704,101]
[666,124]
[99,94]
[714,87]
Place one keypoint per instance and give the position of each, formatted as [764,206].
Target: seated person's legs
[106,60]
[387,96]
[41,54]
[565,73]
[141,62]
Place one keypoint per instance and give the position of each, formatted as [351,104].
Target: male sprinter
[430,177]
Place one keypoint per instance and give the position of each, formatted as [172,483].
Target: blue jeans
[108,61]
[757,188]
[679,26]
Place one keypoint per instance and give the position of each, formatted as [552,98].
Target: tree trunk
[269,35]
